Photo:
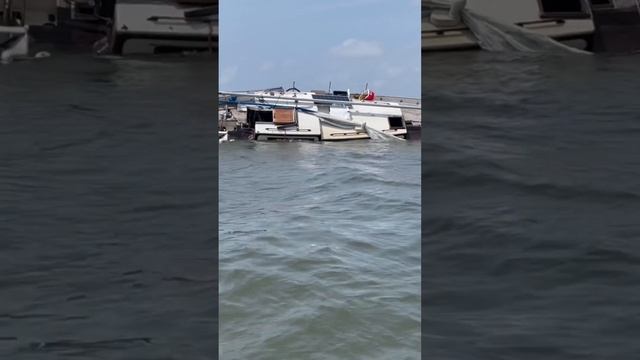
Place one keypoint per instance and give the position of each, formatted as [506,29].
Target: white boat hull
[310,127]
[17,46]
[223,136]
[143,27]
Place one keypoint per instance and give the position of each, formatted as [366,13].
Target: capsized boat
[445,27]
[292,114]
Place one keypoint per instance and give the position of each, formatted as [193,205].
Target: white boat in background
[15,20]
[444,26]
[223,136]
[278,114]
[14,43]
[143,26]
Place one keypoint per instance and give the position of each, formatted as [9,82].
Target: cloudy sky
[270,43]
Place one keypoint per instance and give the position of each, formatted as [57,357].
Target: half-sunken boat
[444,26]
[292,114]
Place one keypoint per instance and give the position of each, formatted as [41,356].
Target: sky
[271,43]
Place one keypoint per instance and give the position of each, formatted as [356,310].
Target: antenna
[329,87]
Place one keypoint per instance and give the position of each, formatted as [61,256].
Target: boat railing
[320,101]
[541,21]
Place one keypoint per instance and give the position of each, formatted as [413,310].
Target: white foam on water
[377,135]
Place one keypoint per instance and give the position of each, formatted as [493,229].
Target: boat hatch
[259,115]
[324,108]
[330,97]
[563,9]
[284,117]
[395,122]
[325,105]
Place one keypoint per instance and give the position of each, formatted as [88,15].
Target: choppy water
[531,202]
[107,208]
[320,250]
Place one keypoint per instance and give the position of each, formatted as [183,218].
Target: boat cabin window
[563,9]
[255,115]
[395,122]
[284,116]
[324,108]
